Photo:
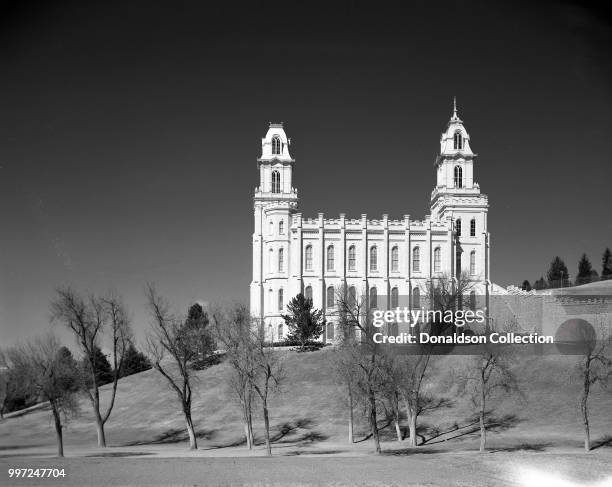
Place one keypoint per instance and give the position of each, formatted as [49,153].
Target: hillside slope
[311,411]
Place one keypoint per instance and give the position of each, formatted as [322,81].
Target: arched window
[330,258]
[281,260]
[271,260]
[416,259]
[281,227]
[416,298]
[373,298]
[473,262]
[473,300]
[458,141]
[275,182]
[437,253]
[280,300]
[373,259]
[271,227]
[280,332]
[330,297]
[352,297]
[394,298]
[308,258]
[458,263]
[271,299]
[308,292]
[352,258]
[473,227]
[458,177]
[276,145]
[458,227]
[394,259]
[329,331]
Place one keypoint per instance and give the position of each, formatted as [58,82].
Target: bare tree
[185,342]
[355,322]
[3,385]
[89,319]
[43,371]
[488,374]
[267,377]
[343,362]
[594,367]
[233,330]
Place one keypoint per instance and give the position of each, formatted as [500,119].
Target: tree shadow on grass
[412,451]
[289,432]
[174,435]
[606,441]
[431,435]
[535,447]
[119,454]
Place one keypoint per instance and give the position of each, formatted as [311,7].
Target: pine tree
[134,362]
[585,271]
[526,286]
[103,370]
[557,275]
[304,322]
[606,265]
[539,284]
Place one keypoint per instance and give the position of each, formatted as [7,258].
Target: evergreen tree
[606,265]
[103,370]
[134,362]
[539,284]
[197,336]
[526,286]
[585,271]
[557,275]
[304,322]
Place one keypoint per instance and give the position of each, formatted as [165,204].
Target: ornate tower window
[276,145]
[437,259]
[308,258]
[308,292]
[373,259]
[458,177]
[458,141]
[281,227]
[416,298]
[352,297]
[473,227]
[458,227]
[473,300]
[276,182]
[473,262]
[330,297]
[330,258]
[373,297]
[394,259]
[281,260]
[280,299]
[351,258]
[416,259]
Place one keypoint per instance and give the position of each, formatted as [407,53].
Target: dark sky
[129,134]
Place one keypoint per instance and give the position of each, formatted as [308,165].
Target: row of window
[352,297]
[472,227]
[416,259]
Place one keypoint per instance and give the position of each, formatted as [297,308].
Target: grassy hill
[311,411]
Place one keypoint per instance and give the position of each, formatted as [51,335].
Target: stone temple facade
[393,261]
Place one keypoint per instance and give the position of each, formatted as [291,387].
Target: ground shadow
[536,447]
[175,435]
[412,451]
[18,447]
[119,454]
[606,441]
[431,435]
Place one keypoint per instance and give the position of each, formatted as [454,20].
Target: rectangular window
[394,259]
[352,258]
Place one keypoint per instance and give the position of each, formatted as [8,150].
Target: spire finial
[454,107]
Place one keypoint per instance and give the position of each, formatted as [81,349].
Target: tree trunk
[373,421]
[398,430]
[483,429]
[267,427]
[412,418]
[350,421]
[100,429]
[193,443]
[584,408]
[58,430]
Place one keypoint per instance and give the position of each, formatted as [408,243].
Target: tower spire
[454,107]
